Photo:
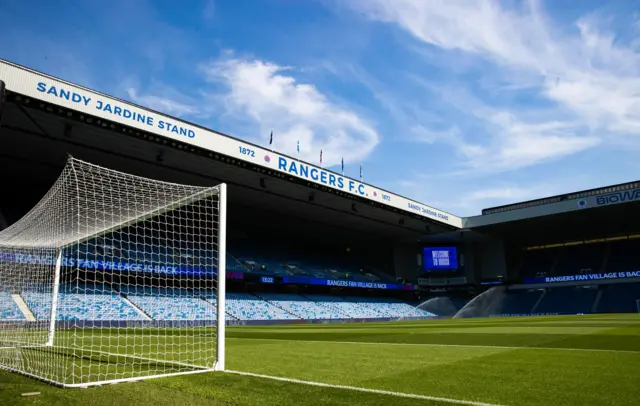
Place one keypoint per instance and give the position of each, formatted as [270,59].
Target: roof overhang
[38,136]
[99,110]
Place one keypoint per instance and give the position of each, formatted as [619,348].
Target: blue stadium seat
[101,302]
[82,302]
[244,306]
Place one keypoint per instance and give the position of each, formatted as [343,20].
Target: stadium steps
[535,306]
[22,305]
[214,303]
[279,307]
[135,307]
[130,303]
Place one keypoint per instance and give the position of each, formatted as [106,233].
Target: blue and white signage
[585,277]
[32,84]
[345,284]
[623,196]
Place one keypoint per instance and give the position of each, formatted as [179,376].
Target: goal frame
[220,318]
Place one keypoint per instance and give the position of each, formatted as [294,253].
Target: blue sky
[459,104]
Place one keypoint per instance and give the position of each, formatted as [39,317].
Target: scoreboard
[440,259]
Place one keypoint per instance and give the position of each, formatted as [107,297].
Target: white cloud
[584,82]
[518,144]
[275,100]
[513,144]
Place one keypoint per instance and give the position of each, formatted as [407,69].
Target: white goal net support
[113,277]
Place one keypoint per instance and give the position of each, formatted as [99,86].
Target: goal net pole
[54,299]
[222,276]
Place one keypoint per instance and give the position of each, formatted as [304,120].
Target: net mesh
[134,292]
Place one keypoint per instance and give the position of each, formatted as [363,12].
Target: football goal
[113,277]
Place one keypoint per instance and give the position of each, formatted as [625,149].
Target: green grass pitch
[560,360]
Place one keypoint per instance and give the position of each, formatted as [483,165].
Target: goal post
[54,297]
[113,277]
[221,280]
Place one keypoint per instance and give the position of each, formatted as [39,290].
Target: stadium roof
[611,212]
[586,200]
[40,130]
[114,113]
[52,118]
[566,196]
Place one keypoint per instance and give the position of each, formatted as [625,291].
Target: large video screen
[440,259]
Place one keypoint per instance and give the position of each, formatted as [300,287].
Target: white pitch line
[443,345]
[367,390]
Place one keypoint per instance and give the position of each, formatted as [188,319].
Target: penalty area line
[366,390]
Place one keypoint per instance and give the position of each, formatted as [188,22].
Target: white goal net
[113,277]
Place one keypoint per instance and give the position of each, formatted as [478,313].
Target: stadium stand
[244,306]
[253,260]
[82,302]
[287,265]
[303,307]
[390,307]
[350,309]
[9,310]
[103,303]
[170,304]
